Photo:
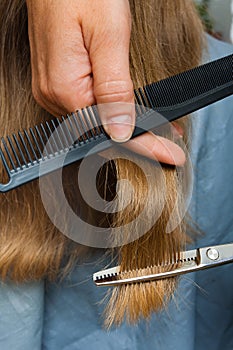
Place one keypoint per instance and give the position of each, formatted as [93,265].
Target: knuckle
[53,92]
[50,91]
[36,94]
[45,94]
[43,88]
[114,91]
[39,89]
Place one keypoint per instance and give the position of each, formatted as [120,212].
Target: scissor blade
[189,261]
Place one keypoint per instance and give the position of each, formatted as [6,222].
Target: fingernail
[120,128]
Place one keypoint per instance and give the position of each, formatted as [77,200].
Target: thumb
[113,88]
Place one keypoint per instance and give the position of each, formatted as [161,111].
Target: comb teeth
[51,138]
[170,96]
[46,141]
[173,91]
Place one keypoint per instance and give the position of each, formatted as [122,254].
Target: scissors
[188,261]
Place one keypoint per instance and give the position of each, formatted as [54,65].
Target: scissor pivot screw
[212,254]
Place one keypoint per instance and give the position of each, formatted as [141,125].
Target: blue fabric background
[67,316]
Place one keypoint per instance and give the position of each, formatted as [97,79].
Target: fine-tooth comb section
[37,151]
[193,86]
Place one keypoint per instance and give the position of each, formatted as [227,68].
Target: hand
[80,56]
[159,148]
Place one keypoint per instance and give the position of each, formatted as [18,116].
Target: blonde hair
[166,39]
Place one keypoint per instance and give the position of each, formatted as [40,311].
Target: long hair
[167,38]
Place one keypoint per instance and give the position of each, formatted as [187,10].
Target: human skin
[79,57]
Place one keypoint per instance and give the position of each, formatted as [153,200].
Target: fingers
[61,69]
[109,54]
[157,148]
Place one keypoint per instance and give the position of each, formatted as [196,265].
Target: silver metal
[212,254]
[189,261]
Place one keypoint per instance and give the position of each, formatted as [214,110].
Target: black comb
[25,157]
